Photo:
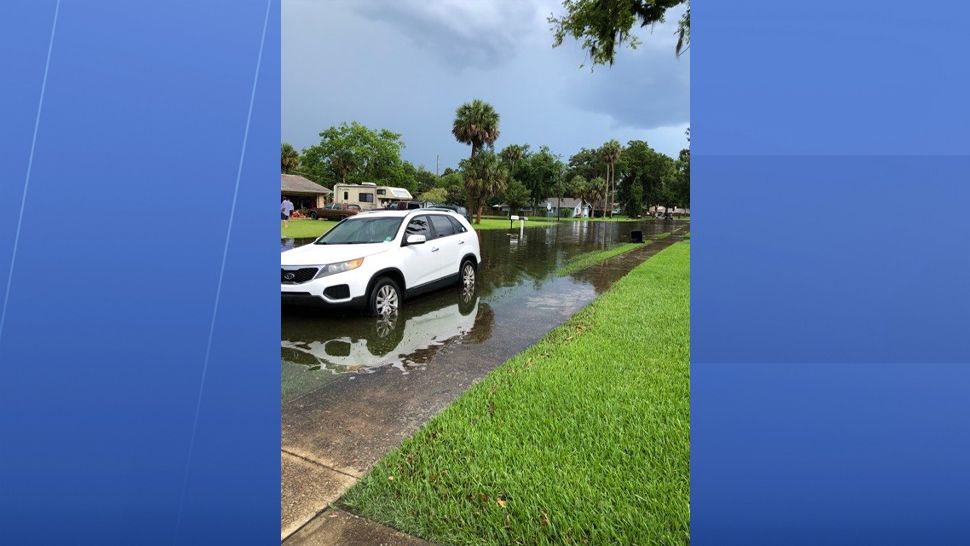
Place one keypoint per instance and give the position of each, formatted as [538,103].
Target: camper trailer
[369,196]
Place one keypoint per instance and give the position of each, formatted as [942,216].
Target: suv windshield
[358,231]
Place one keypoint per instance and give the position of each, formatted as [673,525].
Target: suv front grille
[296,276]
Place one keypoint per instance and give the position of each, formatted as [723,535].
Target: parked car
[457,209]
[334,211]
[374,260]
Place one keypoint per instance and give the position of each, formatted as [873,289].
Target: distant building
[304,193]
[674,211]
[567,207]
[570,207]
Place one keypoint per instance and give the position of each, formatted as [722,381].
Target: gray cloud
[461,33]
[652,90]
[406,66]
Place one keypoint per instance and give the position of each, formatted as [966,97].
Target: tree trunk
[611,186]
[471,202]
[481,205]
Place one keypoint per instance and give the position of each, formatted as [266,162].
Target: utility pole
[437,159]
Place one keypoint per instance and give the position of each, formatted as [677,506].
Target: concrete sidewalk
[338,528]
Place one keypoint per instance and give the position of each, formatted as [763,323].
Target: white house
[568,206]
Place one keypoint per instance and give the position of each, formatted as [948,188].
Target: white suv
[374,259]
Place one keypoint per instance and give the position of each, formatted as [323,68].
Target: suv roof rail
[443,209]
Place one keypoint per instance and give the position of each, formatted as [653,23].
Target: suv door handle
[435,249]
[461,242]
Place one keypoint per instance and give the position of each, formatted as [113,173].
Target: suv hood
[313,254]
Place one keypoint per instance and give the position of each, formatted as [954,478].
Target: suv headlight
[333,269]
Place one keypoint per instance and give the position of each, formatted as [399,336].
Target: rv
[369,196]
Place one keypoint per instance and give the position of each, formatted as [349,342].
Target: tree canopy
[353,153]
[633,176]
[476,123]
[604,26]
[485,176]
[516,195]
[289,158]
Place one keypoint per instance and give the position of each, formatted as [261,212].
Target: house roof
[291,183]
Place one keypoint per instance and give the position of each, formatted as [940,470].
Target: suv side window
[459,228]
[442,225]
[419,225]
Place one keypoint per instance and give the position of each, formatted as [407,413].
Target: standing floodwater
[519,298]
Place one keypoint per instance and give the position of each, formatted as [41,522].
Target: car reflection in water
[406,340]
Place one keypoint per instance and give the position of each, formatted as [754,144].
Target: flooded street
[354,387]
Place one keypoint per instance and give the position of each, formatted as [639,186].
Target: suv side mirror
[416,239]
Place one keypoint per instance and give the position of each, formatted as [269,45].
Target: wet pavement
[354,387]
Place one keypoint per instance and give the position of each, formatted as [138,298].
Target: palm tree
[476,123]
[611,154]
[289,158]
[485,176]
[512,153]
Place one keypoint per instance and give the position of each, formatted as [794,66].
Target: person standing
[286,208]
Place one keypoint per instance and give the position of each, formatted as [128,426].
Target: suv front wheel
[385,297]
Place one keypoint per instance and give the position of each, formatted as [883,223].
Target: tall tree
[476,123]
[516,195]
[539,172]
[353,153]
[454,184]
[611,154]
[289,158]
[596,193]
[426,180]
[485,176]
[586,163]
[643,167]
[605,25]
[680,193]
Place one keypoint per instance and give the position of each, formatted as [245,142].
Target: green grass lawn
[592,258]
[305,227]
[584,438]
[503,223]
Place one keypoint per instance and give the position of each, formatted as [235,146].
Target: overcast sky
[406,65]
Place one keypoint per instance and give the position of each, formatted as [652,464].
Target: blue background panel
[848,78]
[119,257]
[830,250]
[820,453]
[831,259]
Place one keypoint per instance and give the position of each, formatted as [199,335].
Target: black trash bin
[636,236]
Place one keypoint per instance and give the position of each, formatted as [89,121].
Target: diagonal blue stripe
[30,164]
[222,270]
